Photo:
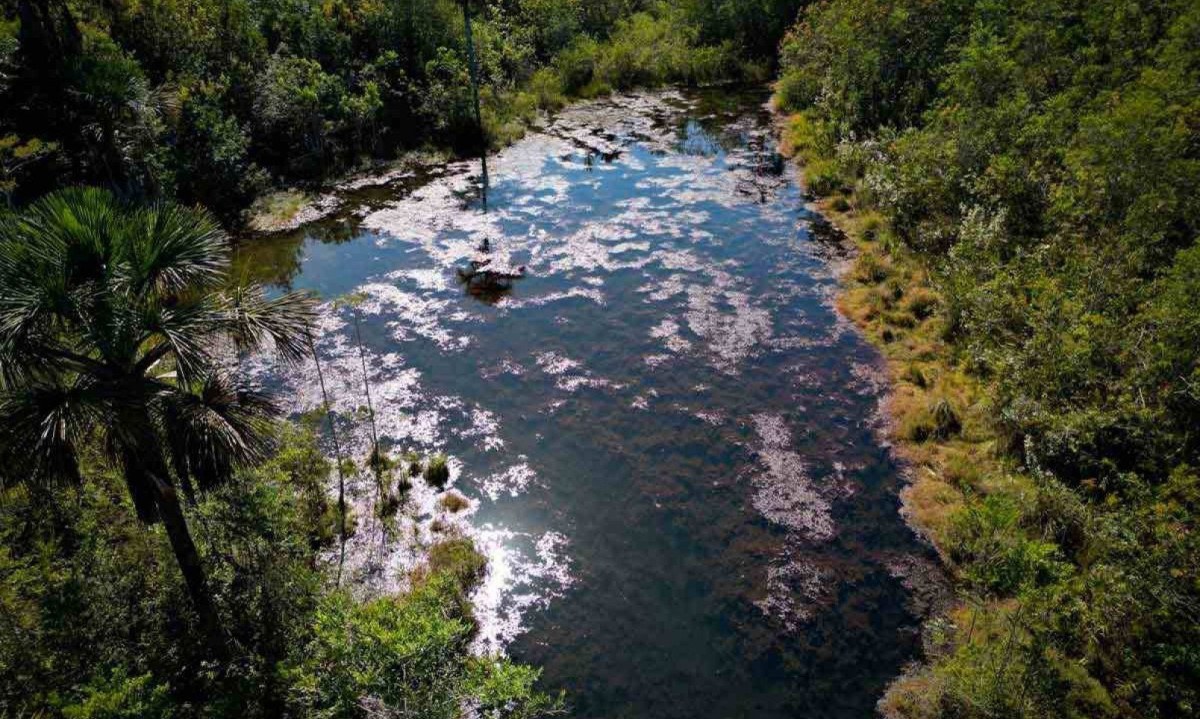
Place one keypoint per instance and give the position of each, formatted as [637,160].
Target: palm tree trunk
[362,357]
[337,455]
[191,566]
[474,68]
[145,469]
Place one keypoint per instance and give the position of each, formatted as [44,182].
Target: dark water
[665,429]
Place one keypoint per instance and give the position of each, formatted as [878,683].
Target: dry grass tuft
[453,502]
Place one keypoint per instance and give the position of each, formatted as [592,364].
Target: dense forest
[1024,177]
[167,544]
[215,101]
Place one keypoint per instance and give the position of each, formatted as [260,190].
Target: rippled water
[666,432]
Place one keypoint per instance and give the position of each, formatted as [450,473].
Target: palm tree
[113,324]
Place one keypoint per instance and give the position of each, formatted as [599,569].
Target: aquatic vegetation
[277,210]
[437,471]
[453,502]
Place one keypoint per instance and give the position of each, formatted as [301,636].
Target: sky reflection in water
[665,430]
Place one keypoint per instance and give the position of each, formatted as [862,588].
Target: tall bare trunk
[146,474]
[362,357]
[474,67]
[191,566]
[337,455]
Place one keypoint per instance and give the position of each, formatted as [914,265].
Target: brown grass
[887,292]
[453,502]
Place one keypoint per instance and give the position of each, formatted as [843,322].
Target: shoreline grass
[937,412]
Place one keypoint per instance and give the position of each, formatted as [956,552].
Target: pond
[667,436]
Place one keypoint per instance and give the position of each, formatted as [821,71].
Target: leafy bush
[995,554]
[118,696]
[824,178]
[410,650]
[576,64]
[547,86]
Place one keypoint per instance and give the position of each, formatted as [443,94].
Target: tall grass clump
[437,471]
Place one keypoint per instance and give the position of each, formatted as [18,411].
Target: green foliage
[458,559]
[90,627]
[646,49]
[576,64]
[996,557]
[100,299]
[547,87]
[117,696]
[824,178]
[211,101]
[92,604]
[437,471]
[1038,160]
[213,156]
[410,650]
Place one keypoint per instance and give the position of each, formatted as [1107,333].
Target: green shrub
[595,88]
[437,471]
[996,556]
[410,650]
[794,91]
[823,176]
[458,558]
[115,695]
[547,87]
[576,64]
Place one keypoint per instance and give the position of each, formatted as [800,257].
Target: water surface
[666,431]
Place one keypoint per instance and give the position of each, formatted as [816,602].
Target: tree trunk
[474,68]
[189,563]
[337,455]
[141,488]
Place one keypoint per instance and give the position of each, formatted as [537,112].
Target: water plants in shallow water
[453,502]
[437,471]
